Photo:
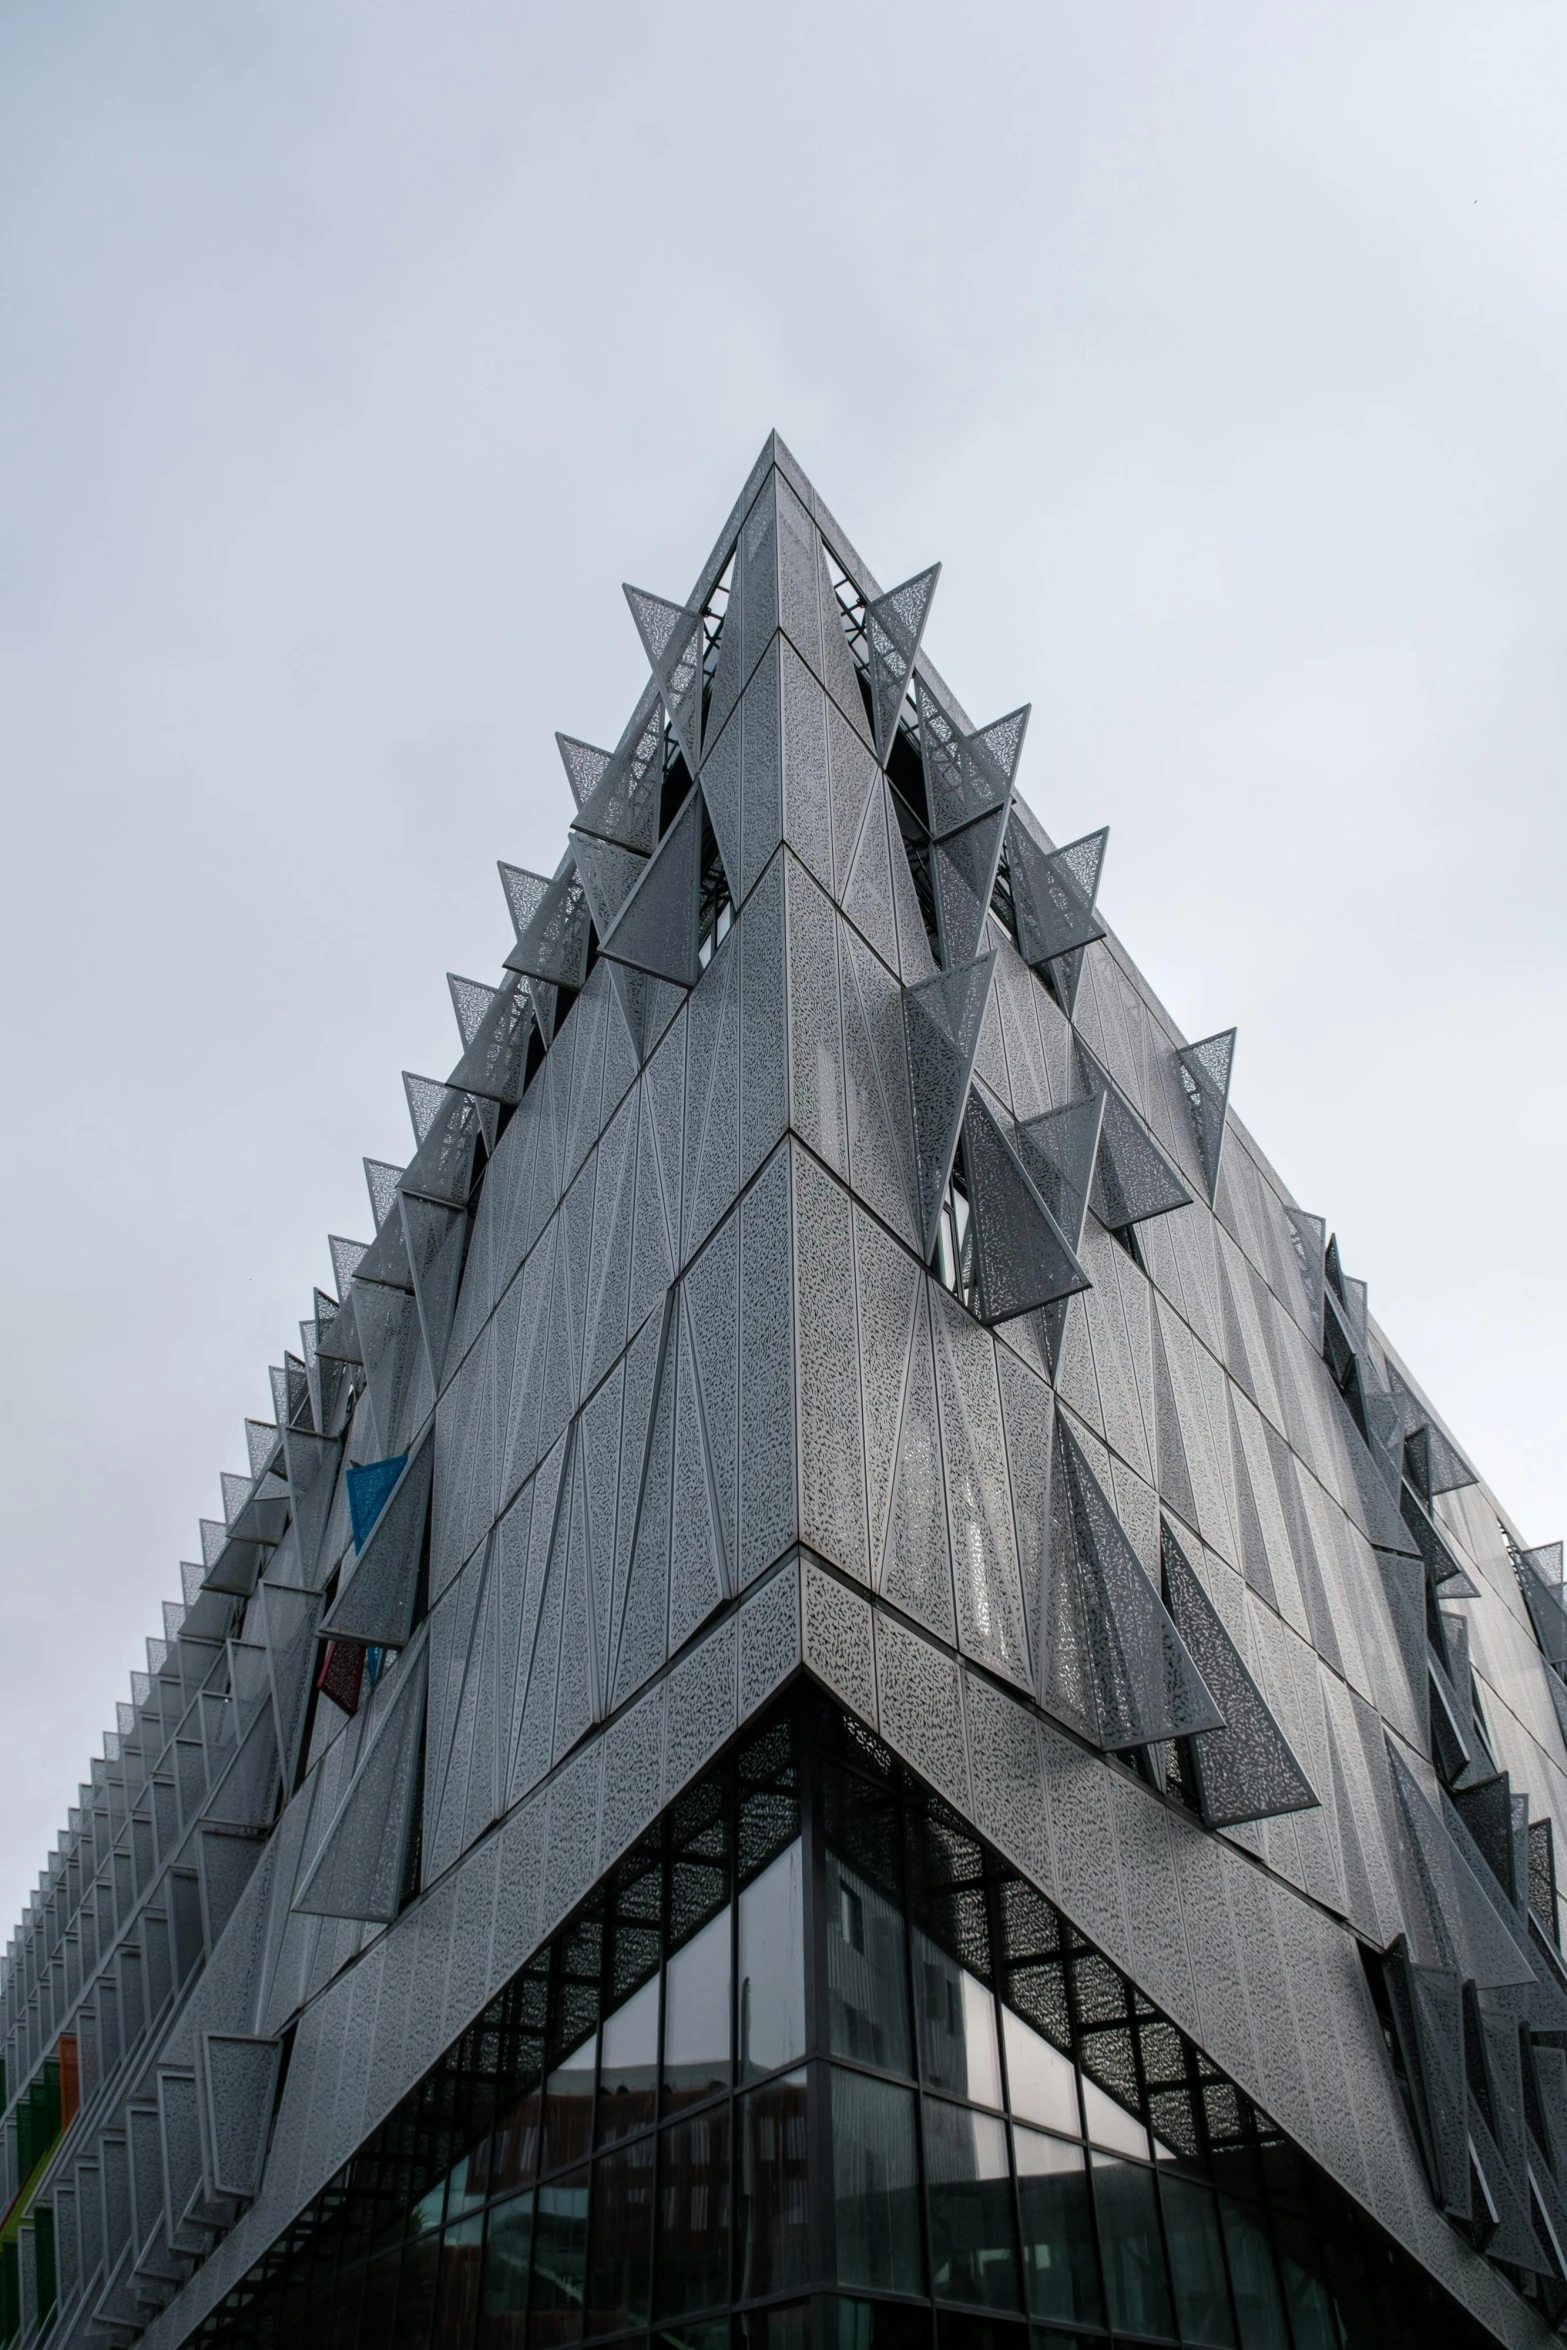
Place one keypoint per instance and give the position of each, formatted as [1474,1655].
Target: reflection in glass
[1041,2082]
[965,2329]
[416,2293]
[867,1986]
[1310,2306]
[1191,2226]
[773,2224]
[507,2261]
[875,2184]
[696,2015]
[628,2074]
[1129,2239]
[457,2299]
[467,2185]
[1257,2301]
[709,2333]
[693,2213]
[969,2183]
[568,2107]
[877,2325]
[772,1967]
[957,2021]
[379,2301]
[1110,2124]
[620,2248]
[513,2145]
[1060,2272]
[777,2329]
[560,2247]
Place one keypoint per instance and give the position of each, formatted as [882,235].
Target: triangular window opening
[713,612]
[851,604]
[1126,1234]
[953,1264]
[716,916]
[1002,907]
[677,783]
[916,849]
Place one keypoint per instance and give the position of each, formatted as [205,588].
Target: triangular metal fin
[376,1603]
[584,764]
[553,944]
[657,929]
[942,1020]
[1022,1257]
[672,639]
[894,625]
[1059,1149]
[1205,1080]
[358,1870]
[1053,893]
[1114,1666]
[1246,1770]
[608,873]
[963,868]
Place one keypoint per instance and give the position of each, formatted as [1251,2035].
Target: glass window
[964,2329]
[1129,2238]
[427,2212]
[957,2020]
[875,2184]
[568,2107]
[867,1980]
[1310,2304]
[507,2261]
[465,2185]
[1257,2300]
[416,2293]
[969,2183]
[560,2248]
[772,1968]
[1191,2227]
[777,2329]
[696,2015]
[514,2142]
[693,2213]
[1060,2270]
[620,2245]
[1041,2082]
[378,2305]
[877,2325]
[628,2075]
[773,2208]
[1110,2124]
[712,2333]
[457,2301]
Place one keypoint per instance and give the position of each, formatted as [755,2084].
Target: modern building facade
[852,1704]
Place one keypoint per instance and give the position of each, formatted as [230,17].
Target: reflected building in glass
[851,1702]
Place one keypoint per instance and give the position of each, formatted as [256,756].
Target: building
[852,1702]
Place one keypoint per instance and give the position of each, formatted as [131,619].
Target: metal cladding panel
[686,1320]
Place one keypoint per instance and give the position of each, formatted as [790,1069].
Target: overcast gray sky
[352,355]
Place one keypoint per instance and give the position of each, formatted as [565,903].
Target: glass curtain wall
[813,2069]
